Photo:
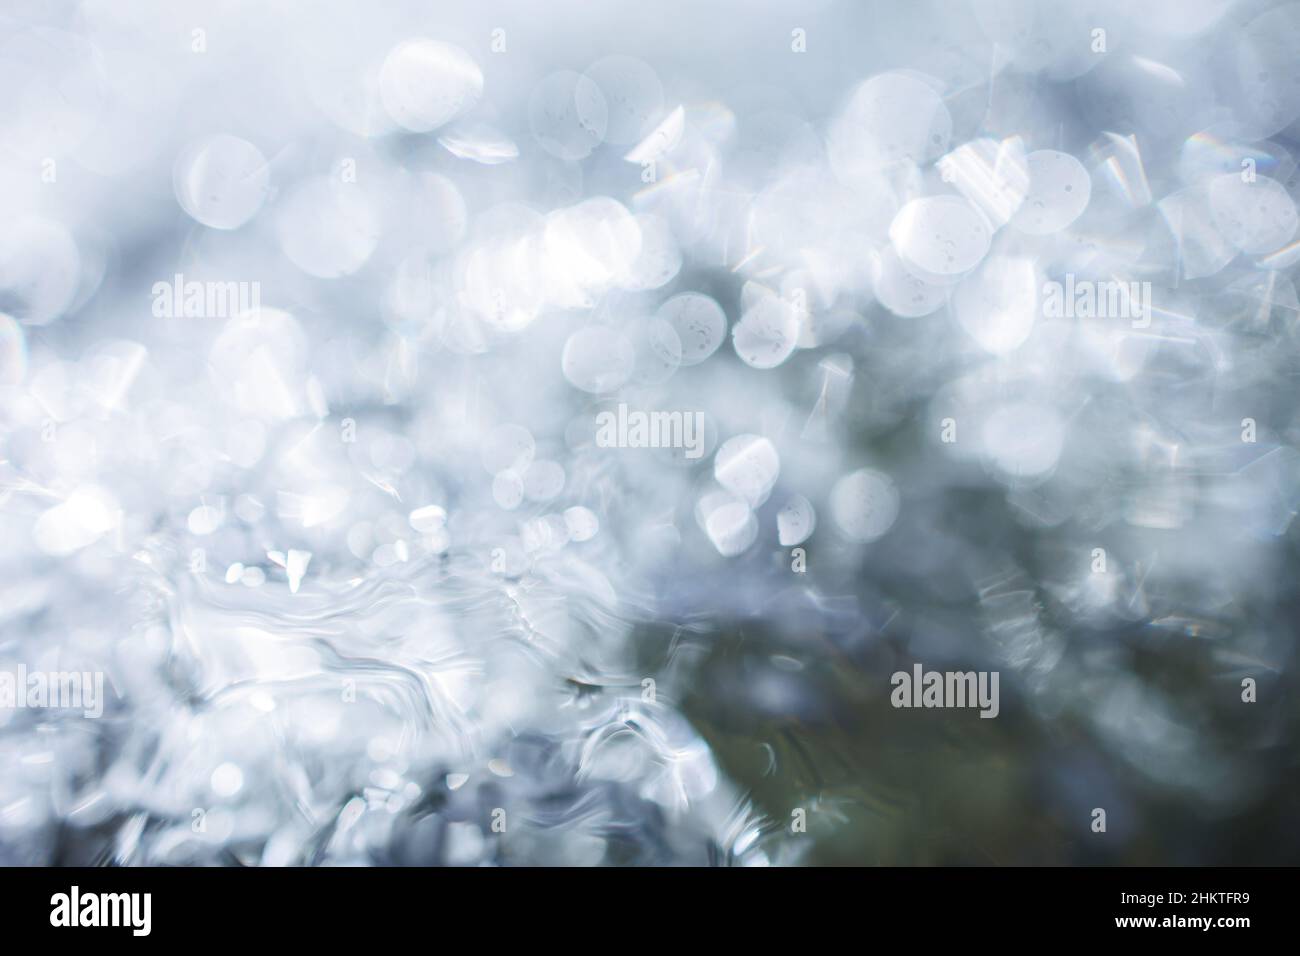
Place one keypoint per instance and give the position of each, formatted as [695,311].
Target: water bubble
[864,504]
[221,181]
[699,322]
[427,83]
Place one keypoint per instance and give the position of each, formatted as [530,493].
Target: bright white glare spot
[426,83]
[864,504]
[227,780]
[998,303]
[479,143]
[428,519]
[86,515]
[204,519]
[1023,440]
[767,333]
[993,175]
[732,528]
[747,466]
[663,139]
[795,522]
[296,567]
[582,523]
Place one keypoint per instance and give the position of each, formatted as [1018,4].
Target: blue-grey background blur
[362,583]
